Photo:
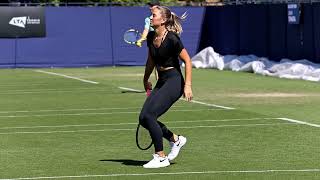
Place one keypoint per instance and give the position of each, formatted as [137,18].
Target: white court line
[64,110]
[71,114]
[126,123]
[74,131]
[134,129]
[51,89]
[79,109]
[234,125]
[37,91]
[130,89]
[300,122]
[66,126]
[57,91]
[103,113]
[176,173]
[193,101]
[22,84]
[66,76]
[207,104]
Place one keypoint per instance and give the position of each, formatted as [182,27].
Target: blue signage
[293,13]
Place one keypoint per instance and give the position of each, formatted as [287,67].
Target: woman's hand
[184,56]
[188,92]
[147,85]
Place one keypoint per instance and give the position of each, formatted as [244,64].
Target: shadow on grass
[128,162]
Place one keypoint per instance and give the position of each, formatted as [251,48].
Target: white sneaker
[157,162]
[175,147]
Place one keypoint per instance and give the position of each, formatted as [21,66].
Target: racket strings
[131,36]
[143,138]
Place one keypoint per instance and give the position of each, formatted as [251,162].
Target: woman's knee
[145,118]
[142,120]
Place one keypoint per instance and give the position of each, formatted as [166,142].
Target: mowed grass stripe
[103,113]
[133,129]
[176,173]
[82,109]
[254,145]
[128,123]
[192,101]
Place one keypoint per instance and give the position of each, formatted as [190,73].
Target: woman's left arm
[184,56]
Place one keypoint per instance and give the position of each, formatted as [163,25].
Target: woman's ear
[163,21]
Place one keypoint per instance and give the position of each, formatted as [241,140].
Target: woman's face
[157,19]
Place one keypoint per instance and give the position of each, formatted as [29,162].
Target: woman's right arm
[147,72]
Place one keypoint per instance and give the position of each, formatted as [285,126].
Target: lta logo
[19,21]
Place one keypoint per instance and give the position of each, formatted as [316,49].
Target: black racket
[131,36]
[143,139]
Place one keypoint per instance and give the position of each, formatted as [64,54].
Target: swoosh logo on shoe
[179,143]
[162,160]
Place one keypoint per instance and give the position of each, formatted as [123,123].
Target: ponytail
[173,21]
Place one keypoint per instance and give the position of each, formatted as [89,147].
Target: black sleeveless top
[167,55]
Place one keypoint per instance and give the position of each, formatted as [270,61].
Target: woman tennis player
[165,49]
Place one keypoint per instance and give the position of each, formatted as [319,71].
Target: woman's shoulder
[150,34]
[173,36]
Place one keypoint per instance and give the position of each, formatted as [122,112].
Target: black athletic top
[167,55]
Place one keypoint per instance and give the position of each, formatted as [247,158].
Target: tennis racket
[131,36]
[143,139]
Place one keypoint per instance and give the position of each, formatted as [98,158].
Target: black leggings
[167,91]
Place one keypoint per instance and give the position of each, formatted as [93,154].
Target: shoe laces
[172,144]
[157,157]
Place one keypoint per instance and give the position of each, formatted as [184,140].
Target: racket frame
[137,140]
[131,30]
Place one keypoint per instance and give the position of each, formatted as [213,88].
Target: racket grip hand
[148,92]
[139,42]
[149,88]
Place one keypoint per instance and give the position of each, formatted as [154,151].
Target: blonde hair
[173,21]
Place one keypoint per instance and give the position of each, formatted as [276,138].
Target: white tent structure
[298,69]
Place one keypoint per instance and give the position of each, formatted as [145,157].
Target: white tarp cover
[298,69]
